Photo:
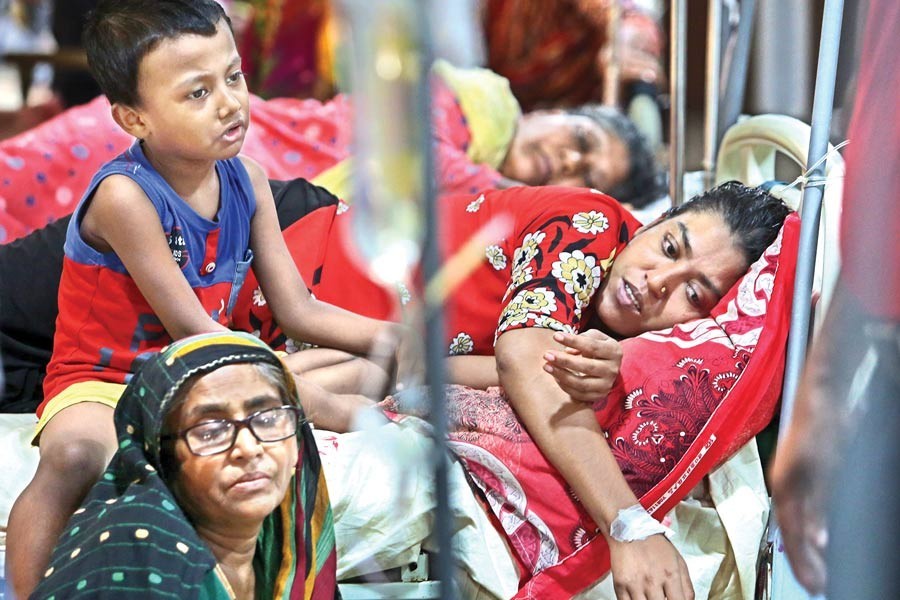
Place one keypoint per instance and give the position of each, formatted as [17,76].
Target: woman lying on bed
[482,140]
[657,566]
[571,260]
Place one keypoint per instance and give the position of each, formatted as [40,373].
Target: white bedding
[380,526]
[16,468]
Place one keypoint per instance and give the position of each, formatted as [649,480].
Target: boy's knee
[77,459]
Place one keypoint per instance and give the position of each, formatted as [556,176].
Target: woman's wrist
[634,524]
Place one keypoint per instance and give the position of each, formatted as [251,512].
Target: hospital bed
[719,526]
[733,504]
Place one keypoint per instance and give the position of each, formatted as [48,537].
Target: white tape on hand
[634,524]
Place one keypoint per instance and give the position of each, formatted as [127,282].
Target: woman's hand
[650,568]
[588,367]
[637,49]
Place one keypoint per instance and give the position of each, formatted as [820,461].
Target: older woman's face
[557,148]
[671,272]
[246,483]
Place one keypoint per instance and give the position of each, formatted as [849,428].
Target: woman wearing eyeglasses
[215,492]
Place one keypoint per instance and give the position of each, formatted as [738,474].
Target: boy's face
[194,100]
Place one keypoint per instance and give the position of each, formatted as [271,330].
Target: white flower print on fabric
[342,207]
[522,270]
[496,257]
[527,305]
[592,222]
[404,294]
[530,247]
[546,322]
[258,298]
[474,205]
[579,274]
[522,275]
[462,344]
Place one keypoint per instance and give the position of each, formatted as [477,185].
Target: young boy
[158,247]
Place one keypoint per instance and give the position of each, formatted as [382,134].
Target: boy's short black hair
[645,181]
[119,33]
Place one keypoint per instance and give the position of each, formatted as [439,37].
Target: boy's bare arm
[120,218]
[301,316]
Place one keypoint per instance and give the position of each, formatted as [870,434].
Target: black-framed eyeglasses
[219,435]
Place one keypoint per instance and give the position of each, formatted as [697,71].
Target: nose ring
[662,290]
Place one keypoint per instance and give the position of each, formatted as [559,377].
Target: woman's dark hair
[119,33]
[753,215]
[645,182]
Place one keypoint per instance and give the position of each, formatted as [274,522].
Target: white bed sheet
[381,526]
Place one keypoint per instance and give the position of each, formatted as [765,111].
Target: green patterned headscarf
[130,539]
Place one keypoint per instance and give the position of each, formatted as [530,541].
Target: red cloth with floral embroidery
[46,170]
[542,272]
[686,399]
[545,251]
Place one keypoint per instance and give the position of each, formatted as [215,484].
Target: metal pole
[811,209]
[612,75]
[434,321]
[713,77]
[733,98]
[784,584]
[677,73]
[393,53]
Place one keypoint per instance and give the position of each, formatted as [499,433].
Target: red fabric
[209,259]
[547,50]
[319,245]
[516,287]
[46,170]
[116,329]
[10,227]
[280,48]
[322,245]
[688,398]
[871,201]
